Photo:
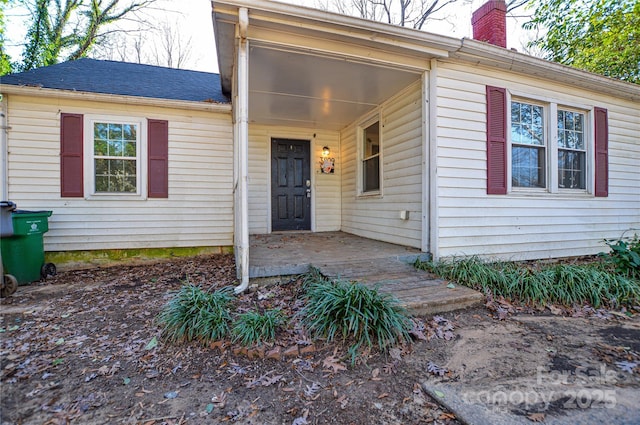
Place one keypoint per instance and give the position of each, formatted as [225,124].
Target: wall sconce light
[327,165]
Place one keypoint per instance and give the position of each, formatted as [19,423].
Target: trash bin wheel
[49,269]
[9,285]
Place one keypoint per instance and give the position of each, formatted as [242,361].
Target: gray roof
[121,78]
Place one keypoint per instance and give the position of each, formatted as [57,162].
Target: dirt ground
[83,347]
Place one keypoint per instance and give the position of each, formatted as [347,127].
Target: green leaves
[151,344]
[625,256]
[67,30]
[601,36]
[565,284]
[196,314]
[255,328]
[349,310]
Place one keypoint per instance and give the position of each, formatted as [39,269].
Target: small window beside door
[371,148]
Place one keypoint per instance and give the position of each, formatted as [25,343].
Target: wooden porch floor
[345,256]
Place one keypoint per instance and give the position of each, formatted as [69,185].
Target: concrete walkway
[345,256]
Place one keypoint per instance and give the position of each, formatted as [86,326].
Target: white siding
[325,201]
[198,211]
[379,217]
[519,226]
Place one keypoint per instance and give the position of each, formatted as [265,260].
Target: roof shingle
[122,78]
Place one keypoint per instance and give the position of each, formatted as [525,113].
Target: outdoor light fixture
[327,164]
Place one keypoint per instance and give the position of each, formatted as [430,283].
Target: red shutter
[158,166]
[496,141]
[71,156]
[602,152]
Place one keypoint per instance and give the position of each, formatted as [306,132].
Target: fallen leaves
[627,366]
[105,339]
[624,358]
[434,369]
[343,401]
[302,420]
[333,363]
[219,400]
[264,380]
[437,327]
[311,392]
[536,417]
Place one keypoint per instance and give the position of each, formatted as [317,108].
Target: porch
[346,256]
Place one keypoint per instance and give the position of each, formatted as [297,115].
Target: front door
[290,185]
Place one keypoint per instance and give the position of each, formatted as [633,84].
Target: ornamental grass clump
[194,314]
[352,312]
[566,284]
[256,328]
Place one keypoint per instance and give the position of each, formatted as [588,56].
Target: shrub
[195,314]
[349,310]
[255,328]
[625,255]
[566,284]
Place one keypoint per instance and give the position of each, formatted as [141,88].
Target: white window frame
[89,158]
[546,145]
[588,148]
[360,128]
[550,113]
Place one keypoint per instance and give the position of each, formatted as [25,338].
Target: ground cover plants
[255,328]
[195,314]
[333,310]
[609,281]
[341,310]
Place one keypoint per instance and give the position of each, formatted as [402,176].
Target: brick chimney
[490,23]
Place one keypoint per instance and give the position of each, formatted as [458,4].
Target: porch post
[242,140]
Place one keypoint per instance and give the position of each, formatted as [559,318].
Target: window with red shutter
[71,155]
[496,141]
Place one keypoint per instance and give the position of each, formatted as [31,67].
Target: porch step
[416,290]
[341,255]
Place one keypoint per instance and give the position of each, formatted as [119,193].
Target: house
[325,122]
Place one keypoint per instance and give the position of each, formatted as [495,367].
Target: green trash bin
[23,253]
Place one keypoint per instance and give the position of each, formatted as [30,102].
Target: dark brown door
[290,185]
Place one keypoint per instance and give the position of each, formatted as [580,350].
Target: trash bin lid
[8,204]
[43,212]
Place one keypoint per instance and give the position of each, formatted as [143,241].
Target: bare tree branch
[408,13]
[515,4]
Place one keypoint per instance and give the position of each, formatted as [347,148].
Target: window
[553,147]
[116,157]
[371,158]
[105,156]
[527,145]
[571,150]
[532,148]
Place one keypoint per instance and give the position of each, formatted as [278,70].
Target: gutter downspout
[242,139]
[4,149]
[434,212]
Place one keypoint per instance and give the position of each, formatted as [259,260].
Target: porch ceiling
[301,89]
[314,69]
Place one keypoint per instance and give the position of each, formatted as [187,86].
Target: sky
[192,20]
